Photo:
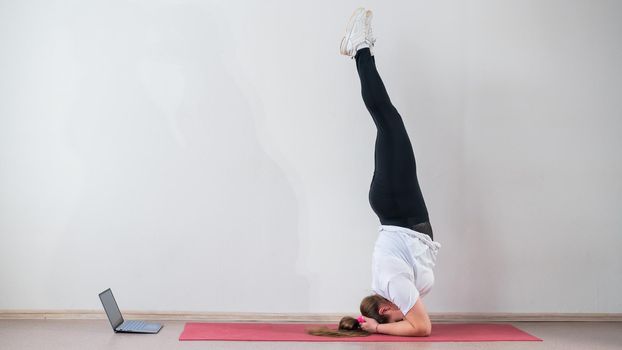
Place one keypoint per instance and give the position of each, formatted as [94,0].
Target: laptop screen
[111,308]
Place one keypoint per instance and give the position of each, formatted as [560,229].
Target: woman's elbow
[423,331]
[427,331]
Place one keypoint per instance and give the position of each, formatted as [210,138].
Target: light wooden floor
[97,334]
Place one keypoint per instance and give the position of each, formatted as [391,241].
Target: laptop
[116,320]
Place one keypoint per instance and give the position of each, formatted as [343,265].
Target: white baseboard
[299,317]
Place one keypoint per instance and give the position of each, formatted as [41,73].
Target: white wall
[216,155]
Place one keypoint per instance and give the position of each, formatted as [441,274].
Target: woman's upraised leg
[395,195]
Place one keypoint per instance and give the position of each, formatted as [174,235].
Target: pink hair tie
[360,319]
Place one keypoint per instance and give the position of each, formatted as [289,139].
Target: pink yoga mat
[449,332]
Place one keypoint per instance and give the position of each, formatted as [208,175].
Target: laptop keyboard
[133,325]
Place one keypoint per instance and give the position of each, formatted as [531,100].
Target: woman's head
[380,309]
[372,306]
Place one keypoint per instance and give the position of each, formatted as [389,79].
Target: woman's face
[393,312]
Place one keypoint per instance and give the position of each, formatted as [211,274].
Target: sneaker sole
[369,15]
[349,27]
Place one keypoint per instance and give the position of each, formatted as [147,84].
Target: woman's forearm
[401,328]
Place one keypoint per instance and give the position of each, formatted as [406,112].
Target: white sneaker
[357,32]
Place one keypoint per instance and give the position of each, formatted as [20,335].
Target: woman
[404,253]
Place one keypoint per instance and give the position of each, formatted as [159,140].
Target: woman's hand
[370,325]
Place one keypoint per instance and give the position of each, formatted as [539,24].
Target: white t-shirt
[402,265]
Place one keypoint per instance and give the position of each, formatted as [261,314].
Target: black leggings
[394,193]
